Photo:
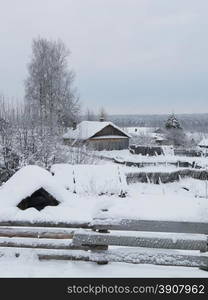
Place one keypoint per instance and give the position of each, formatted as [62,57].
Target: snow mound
[91,179]
[28,180]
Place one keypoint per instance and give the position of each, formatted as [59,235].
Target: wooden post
[97,248]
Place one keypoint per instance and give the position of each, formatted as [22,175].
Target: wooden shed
[97,136]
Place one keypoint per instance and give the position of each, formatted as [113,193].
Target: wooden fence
[135,241]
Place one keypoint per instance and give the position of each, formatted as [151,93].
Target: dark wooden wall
[108,144]
[109,130]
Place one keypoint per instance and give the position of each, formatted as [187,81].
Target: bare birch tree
[49,87]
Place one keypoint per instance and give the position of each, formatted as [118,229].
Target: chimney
[74,125]
[102,119]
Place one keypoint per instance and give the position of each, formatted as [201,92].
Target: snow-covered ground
[169,201]
[30,266]
[185,200]
[91,179]
[162,202]
[125,155]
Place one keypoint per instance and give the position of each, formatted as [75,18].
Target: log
[39,244]
[44,224]
[126,255]
[149,225]
[142,239]
[157,257]
[28,232]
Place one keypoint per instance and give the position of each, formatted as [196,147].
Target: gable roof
[87,129]
[204,142]
[28,180]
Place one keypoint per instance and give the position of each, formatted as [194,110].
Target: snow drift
[28,180]
[91,179]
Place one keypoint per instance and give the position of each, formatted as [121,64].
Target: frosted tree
[172,123]
[175,134]
[49,90]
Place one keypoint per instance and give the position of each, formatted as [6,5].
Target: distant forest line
[189,122]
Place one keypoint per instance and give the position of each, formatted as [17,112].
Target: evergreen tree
[172,123]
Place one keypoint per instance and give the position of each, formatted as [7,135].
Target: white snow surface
[140,130]
[91,179]
[144,201]
[125,155]
[161,202]
[161,168]
[28,265]
[86,130]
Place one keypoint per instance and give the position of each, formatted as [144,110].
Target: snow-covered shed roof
[203,143]
[87,129]
[28,180]
[160,137]
[139,130]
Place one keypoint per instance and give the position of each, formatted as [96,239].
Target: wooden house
[97,136]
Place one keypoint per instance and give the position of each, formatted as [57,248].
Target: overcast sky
[130,56]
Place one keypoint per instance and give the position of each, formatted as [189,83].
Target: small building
[203,144]
[161,140]
[32,186]
[97,135]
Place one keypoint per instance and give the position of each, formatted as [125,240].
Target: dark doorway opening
[39,199]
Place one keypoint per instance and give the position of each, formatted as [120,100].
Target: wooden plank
[149,225]
[143,239]
[45,224]
[40,244]
[158,257]
[38,232]
[126,255]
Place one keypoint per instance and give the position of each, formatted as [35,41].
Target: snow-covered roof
[87,129]
[139,130]
[28,180]
[204,143]
[160,137]
[107,137]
